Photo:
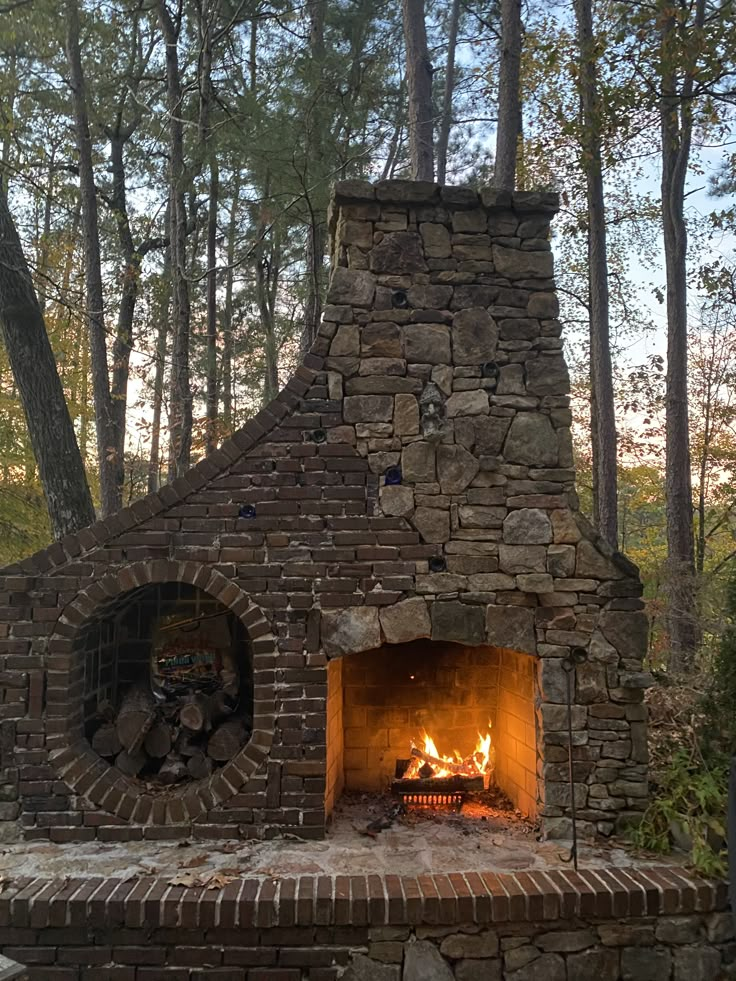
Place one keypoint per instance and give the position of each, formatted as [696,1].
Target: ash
[481,813]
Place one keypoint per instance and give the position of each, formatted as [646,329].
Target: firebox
[427,703]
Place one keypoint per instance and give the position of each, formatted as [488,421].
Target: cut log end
[106,741]
[227,740]
[158,741]
[131,764]
[173,770]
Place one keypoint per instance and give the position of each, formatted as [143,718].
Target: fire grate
[453,799]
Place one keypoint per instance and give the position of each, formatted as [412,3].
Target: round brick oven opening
[103,644]
[168,683]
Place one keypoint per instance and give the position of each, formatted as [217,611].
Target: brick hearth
[646,924]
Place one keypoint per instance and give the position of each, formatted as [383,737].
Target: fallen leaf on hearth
[184,844]
[187,879]
[230,846]
[219,881]
[194,861]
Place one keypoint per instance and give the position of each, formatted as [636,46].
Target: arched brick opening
[84,772]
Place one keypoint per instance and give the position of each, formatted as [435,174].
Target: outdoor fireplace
[392,546]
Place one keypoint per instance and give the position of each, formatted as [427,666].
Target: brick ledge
[360,900]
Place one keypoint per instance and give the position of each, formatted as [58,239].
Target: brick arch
[84,772]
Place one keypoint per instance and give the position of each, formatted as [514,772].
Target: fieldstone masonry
[413,480]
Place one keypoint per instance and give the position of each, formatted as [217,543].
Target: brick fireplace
[393,544]
[386,697]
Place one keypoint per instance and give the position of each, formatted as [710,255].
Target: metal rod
[197,620]
[732,838]
[570,671]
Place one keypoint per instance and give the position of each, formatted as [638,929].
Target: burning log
[434,761]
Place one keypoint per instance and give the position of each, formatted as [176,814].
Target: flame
[478,764]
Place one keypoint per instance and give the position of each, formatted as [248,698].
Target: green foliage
[691,764]
[723,696]
[690,809]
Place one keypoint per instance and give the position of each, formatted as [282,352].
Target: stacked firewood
[183,737]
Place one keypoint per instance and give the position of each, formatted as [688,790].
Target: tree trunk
[227,313]
[508,127]
[419,79]
[8,109]
[267,275]
[316,240]
[180,408]
[605,491]
[207,17]
[163,306]
[109,462]
[212,387]
[45,237]
[123,343]
[676,120]
[446,120]
[317,124]
[50,428]
[270,347]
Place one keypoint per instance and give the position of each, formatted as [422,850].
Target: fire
[426,757]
